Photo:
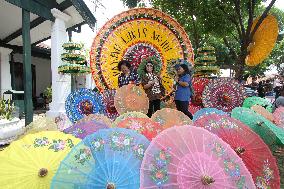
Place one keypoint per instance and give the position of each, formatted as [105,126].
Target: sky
[104,10]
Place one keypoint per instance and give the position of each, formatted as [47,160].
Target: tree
[230,20]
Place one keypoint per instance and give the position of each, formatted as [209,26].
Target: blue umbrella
[83,102]
[207,111]
[109,158]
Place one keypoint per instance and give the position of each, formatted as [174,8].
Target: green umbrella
[254,100]
[272,135]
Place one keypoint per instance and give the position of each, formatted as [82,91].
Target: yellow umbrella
[30,163]
[263,40]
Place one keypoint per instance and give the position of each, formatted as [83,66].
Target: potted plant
[47,93]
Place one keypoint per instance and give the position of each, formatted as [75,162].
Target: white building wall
[43,72]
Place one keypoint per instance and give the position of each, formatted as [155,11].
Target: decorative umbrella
[62,122]
[41,124]
[279,116]
[145,126]
[263,112]
[108,100]
[255,100]
[223,94]
[130,36]
[193,108]
[98,118]
[191,157]
[270,133]
[198,84]
[170,117]
[32,161]
[128,115]
[109,158]
[207,111]
[83,102]
[130,98]
[263,40]
[81,130]
[248,145]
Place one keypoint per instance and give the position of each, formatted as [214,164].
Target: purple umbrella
[83,129]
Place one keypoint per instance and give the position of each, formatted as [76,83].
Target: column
[61,84]
[5,70]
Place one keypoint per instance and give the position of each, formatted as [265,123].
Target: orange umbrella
[263,40]
[145,126]
[168,117]
[130,98]
[96,117]
[263,112]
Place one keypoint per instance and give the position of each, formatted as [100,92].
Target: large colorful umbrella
[81,130]
[168,117]
[96,117]
[109,158]
[198,84]
[145,126]
[207,111]
[32,161]
[263,40]
[108,100]
[83,102]
[134,35]
[278,115]
[129,115]
[223,94]
[270,133]
[191,157]
[248,145]
[130,98]
[263,112]
[255,100]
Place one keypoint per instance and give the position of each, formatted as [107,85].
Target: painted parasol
[145,126]
[83,102]
[263,40]
[255,100]
[130,98]
[248,145]
[134,35]
[207,111]
[223,94]
[128,115]
[109,158]
[279,116]
[81,130]
[32,161]
[96,117]
[270,133]
[62,121]
[168,117]
[191,157]
[263,112]
[108,100]
[198,84]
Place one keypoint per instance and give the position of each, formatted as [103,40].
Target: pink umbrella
[190,157]
[279,116]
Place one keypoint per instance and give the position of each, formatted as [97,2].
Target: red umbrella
[198,84]
[145,126]
[279,116]
[248,145]
[192,108]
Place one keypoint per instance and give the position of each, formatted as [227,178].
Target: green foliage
[6,109]
[47,93]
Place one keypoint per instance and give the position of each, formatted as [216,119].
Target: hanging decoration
[205,62]
[135,35]
[74,60]
[83,102]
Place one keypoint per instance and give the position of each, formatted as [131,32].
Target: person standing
[153,87]
[184,89]
[128,76]
[260,90]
